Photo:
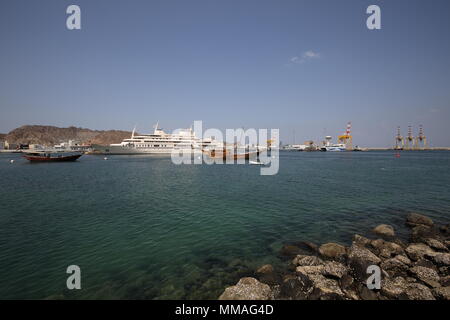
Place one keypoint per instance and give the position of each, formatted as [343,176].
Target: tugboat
[52,156]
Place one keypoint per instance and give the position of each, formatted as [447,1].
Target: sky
[304,67]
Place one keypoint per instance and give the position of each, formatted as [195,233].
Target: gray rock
[333,269]
[444,271]
[435,244]
[351,294]
[360,240]
[332,250]
[445,281]
[447,243]
[359,259]
[421,232]
[297,288]
[441,259]
[267,275]
[307,270]
[267,268]
[386,249]
[418,251]
[403,259]
[414,219]
[425,263]
[247,289]
[417,291]
[395,267]
[442,293]
[367,294]
[426,275]
[325,288]
[384,230]
[297,259]
[310,261]
[346,282]
[393,288]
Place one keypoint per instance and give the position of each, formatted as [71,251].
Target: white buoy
[12,161]
[105,158]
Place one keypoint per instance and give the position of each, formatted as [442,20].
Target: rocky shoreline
[415,270]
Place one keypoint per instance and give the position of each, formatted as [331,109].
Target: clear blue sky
[304,65]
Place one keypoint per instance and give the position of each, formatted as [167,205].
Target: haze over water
[142,227]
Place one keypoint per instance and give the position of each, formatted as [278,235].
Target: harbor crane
[409,141]
[399,141]
[421,139]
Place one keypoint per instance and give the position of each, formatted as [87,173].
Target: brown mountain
[50,135]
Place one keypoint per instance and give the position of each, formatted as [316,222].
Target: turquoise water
[143,228]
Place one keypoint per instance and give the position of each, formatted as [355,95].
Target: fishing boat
[52,156]
[230,154]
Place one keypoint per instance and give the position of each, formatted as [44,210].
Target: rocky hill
[50,135]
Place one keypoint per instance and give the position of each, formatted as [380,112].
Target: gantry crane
[421,140]
[399,141]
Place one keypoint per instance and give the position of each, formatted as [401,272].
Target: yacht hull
[120,150]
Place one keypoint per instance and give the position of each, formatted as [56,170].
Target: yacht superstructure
[159,142]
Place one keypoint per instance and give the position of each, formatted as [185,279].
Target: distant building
[36,147]
[11,146]
[2,145]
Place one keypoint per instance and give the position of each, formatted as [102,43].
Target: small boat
[258,163]
[227,154]
[52,156]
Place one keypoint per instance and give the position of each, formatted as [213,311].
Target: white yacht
[159,142]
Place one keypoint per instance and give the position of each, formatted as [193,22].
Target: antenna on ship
[156,126]
[132,133]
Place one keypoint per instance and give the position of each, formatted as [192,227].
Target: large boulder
[386,249]
[420,233]
[325,288]
[332,251]
[333,269]
[360,240]
[296,288]
[417,251]
[403,259]
[393,288]
[426,275]
[414,219]
[307,270]
[309,261]
[384,230]
[445,281]
[435,244]
[442,293]
[441,259]
[266,274]
[247,289]
[417,291]
[359,259]
[395,267]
